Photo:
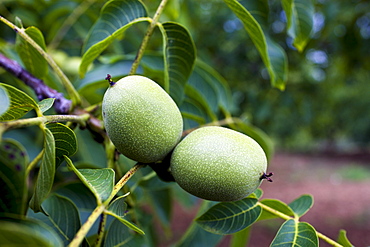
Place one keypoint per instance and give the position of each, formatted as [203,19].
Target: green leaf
[205,88]
[46,173]
[272,55]
[258,135]
[34,62]
[161,201]
[172,10]
[296,234]
[119,207]
[216,81]
[279,63]
[276,205]
[258,193]
[118,234]
[230,217]
[260,11]
[16,232]
[93,85]
[300,21]
[153,63]
[13,164]
[183,198]
[179,51]
[196,236]
[115,17]
[301,205]
[79,194]
[99,181]
[193,113]
[4,101]
[46,104]
[153,182]
[20,103]
[63,215]
[200,101]
[241,238]
[288,6]
[206,92]
[65,141]
[89,150]
[343,240]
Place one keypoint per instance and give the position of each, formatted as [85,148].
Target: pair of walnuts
[213,163]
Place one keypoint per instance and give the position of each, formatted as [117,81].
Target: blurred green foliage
[326,102]
[327,98]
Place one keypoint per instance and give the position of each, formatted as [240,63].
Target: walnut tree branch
[42,91]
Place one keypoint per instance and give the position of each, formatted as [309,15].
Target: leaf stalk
[287,217]
[80,235]
[34,162]
[147,36]
[124,180]
[7,125]
[102,224]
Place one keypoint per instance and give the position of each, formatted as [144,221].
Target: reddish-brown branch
[42,91]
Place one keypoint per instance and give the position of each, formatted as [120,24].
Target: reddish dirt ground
[340,186]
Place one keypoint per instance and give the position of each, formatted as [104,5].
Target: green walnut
[219,164]
[141,119]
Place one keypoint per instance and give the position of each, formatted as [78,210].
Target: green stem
[147,36]
[75,97]
[80,235]
[124,180]
[287,217]
[328,240]
[81,119]
[103,222]
[275,212]
[110,150]
[144,178]
[34,162]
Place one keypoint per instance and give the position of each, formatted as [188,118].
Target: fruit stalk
[124,179]
[147,36]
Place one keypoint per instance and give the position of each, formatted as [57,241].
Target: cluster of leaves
[66,192]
